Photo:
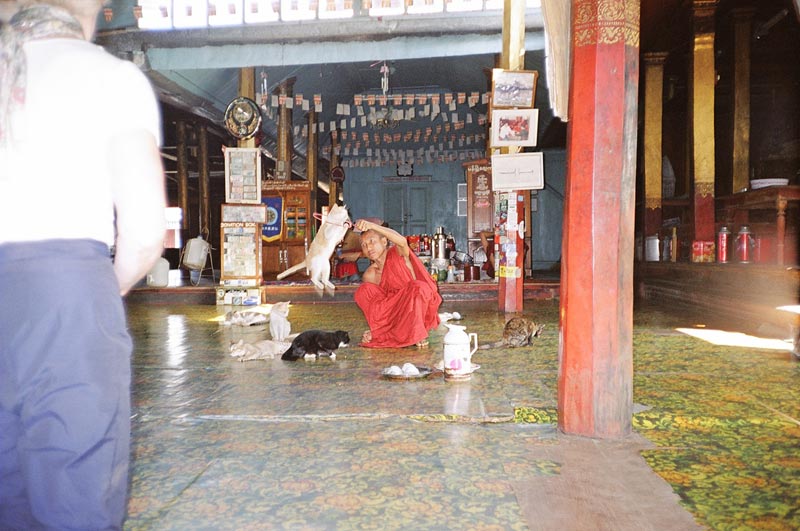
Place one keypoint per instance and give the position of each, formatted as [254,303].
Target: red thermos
[744,244]
[723,245]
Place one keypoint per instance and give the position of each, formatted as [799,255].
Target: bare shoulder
[372,275]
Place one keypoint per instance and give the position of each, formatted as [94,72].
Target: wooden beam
[511,269]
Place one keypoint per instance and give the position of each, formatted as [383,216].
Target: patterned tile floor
[330,444]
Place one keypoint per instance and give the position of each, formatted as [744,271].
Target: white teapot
[457,353]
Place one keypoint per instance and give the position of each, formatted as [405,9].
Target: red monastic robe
[400,310]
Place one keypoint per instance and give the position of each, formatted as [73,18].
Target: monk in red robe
[397,295]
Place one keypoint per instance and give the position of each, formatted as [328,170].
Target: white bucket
[195,253]
[158,276]
[651,253]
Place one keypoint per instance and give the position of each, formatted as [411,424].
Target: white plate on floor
[424,372]
[764,183]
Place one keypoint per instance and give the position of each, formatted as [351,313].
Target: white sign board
[518,171]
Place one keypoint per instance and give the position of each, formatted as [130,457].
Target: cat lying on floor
[518,332]
[244,318]
[266,349]
[316,342]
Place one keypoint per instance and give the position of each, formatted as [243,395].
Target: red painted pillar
[595,380]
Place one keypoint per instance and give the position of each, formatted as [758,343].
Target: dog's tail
[292,270]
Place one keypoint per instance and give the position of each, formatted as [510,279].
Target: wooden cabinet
[480,198]
[288,228]
[480,202]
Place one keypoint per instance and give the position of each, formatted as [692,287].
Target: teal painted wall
[548,215]
[364,196]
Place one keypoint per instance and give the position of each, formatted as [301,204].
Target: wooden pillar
[283,169]
[182,169]
[653,152]
[742,36]
[203,180]
[247,89]
[595,380]
[312,160]
[703,78]
[511,250]
[333,194]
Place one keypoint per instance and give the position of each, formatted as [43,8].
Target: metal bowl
[462,257]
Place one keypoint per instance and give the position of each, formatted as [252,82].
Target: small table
[776,197]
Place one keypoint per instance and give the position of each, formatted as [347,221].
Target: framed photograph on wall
[513,88]
[514,127]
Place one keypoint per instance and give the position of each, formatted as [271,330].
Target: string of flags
[437,120]
[403,106]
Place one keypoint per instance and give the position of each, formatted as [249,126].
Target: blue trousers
[64,388]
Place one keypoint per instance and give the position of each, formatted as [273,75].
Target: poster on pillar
[518,171]
[242,175]
[510,229]
[513,88]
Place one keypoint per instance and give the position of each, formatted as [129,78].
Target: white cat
[245,318]
[260,350]
[318,259]
[279,325]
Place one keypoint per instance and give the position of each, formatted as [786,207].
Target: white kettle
[457,352]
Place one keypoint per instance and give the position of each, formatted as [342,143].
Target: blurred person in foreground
[397,295]
[80,173]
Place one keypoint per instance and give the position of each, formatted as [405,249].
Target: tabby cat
[518,332]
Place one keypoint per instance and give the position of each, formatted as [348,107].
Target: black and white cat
[316,342]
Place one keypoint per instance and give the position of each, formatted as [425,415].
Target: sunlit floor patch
[736,339]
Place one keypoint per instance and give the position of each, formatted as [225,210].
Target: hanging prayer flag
[271,230]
